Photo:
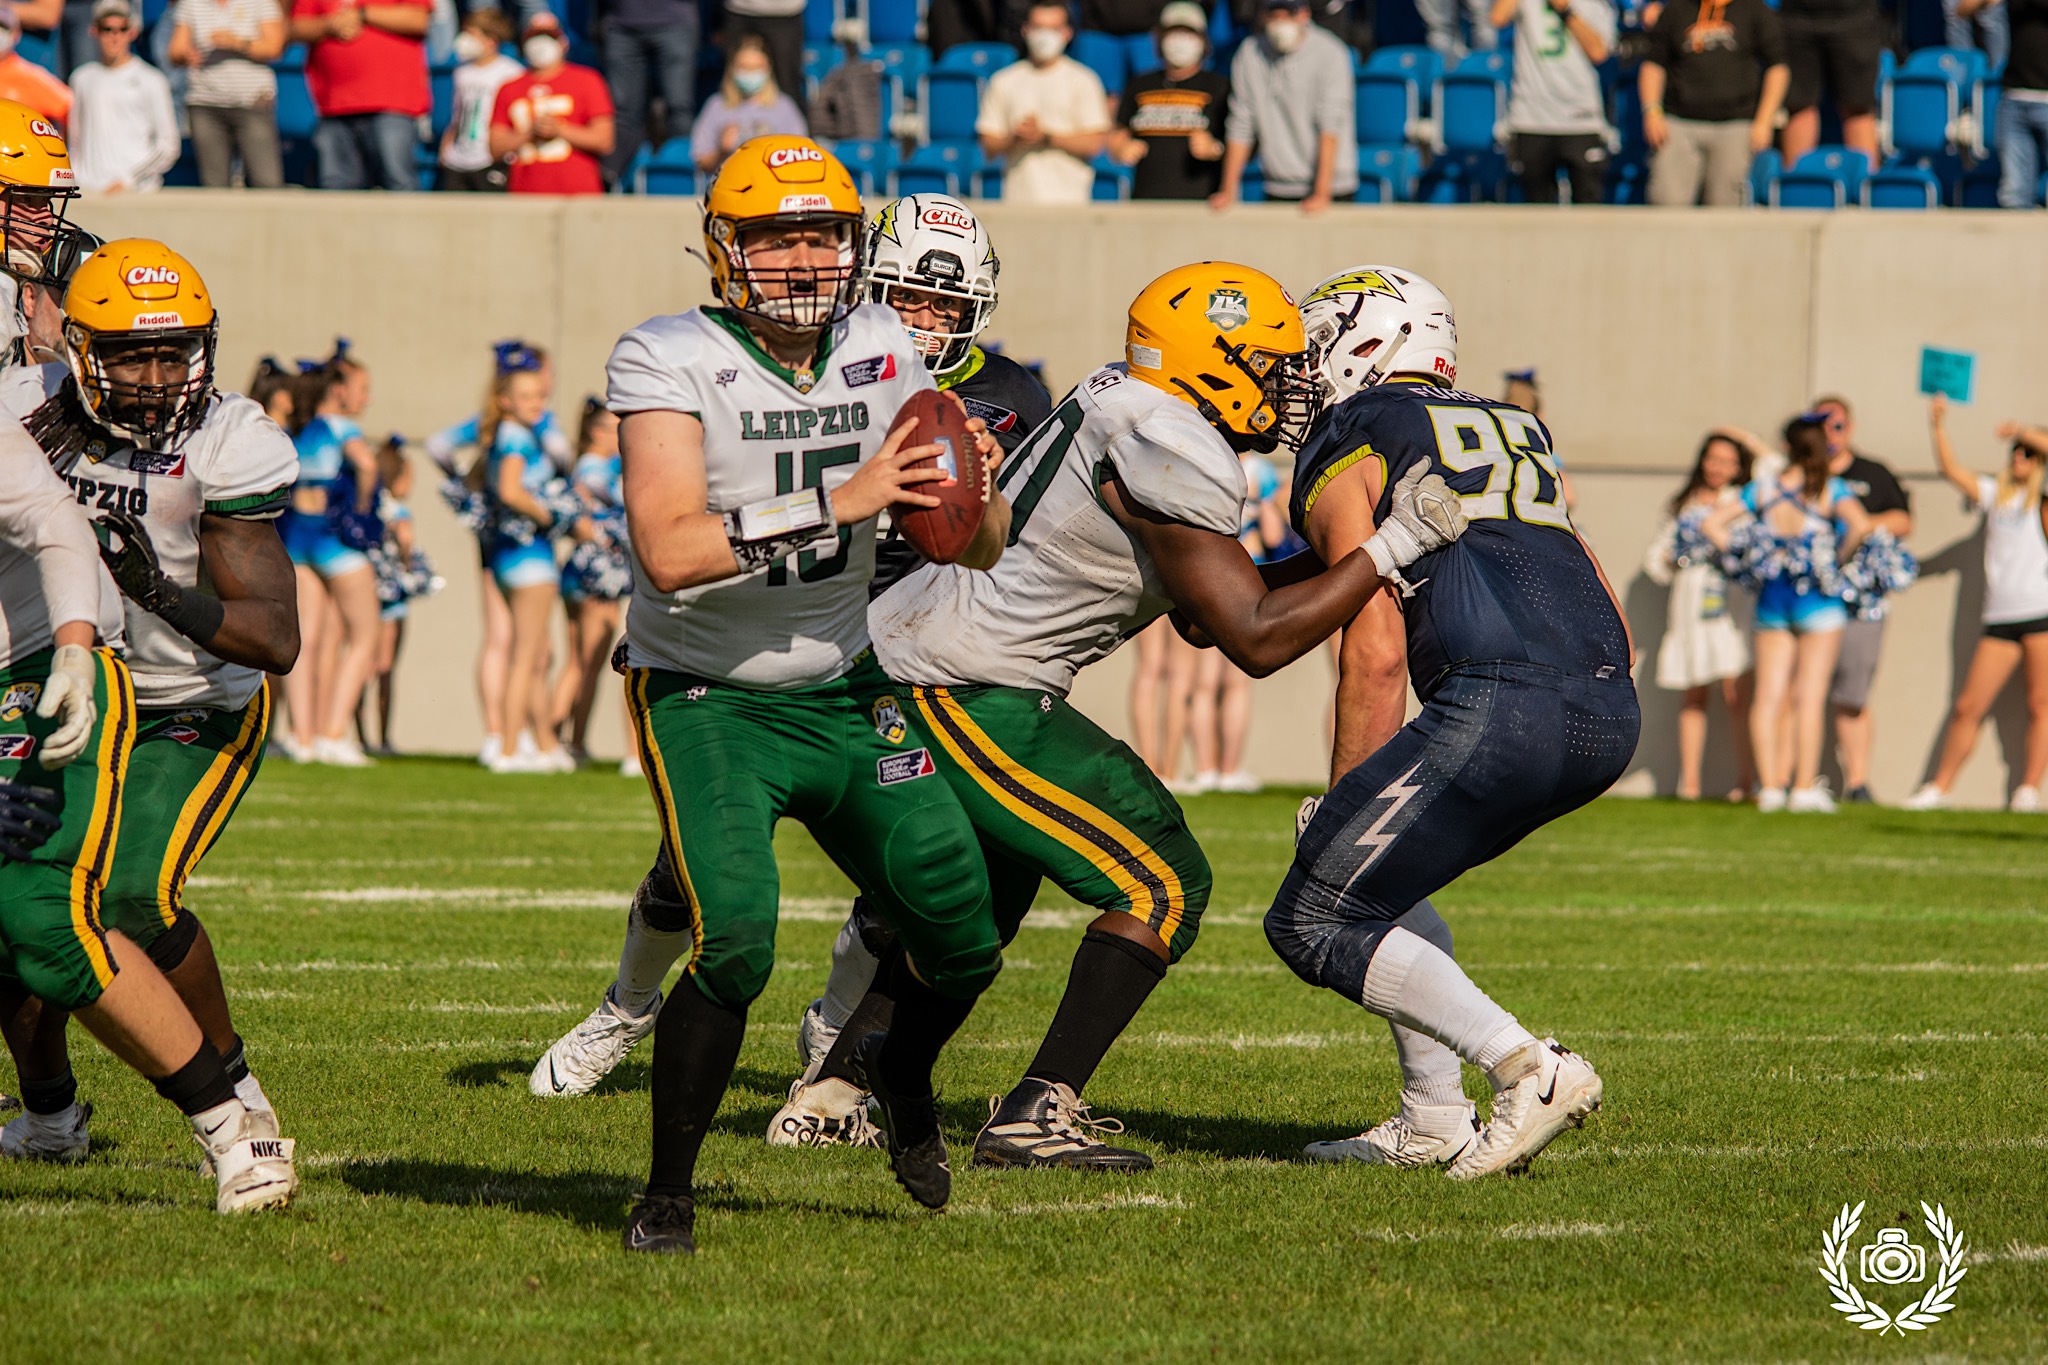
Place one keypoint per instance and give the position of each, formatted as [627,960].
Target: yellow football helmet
[36,187]
[1229,340]
[139,336]
[784,183]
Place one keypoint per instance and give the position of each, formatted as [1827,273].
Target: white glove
[1426,515]
[1304,814]
[68,694]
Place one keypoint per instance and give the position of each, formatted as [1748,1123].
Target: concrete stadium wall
[1648,327]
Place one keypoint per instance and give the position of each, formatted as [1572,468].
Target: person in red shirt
[366,65]
[555,122]
[23,81]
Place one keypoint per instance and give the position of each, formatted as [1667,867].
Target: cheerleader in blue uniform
[598,577]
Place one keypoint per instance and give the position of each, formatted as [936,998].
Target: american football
[941,534]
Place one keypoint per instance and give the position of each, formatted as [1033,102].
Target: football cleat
[920,1164]
[1041,1123]
[1558,1094]
[48,1137]
[663,1224]
[814,1038]
[250,1172]
[586,1054]
[1420,1135]
[823,1114]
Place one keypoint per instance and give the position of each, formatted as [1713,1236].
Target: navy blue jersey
[1518,586]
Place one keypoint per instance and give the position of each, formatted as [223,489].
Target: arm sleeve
[1240,125]
[1337,93]
[39,516]
[649,372]
[1663,49]
[1599,16]
[166,145]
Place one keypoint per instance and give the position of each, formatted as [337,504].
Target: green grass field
[1790,1013]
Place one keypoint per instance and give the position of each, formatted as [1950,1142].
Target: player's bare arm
[1372,659]
[252,575]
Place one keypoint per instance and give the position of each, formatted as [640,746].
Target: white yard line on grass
[1112,1204]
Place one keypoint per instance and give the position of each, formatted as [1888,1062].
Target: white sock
[1429,1071]
[220,1127]
[54,1125]
[853,971]
[1414,983]
[251,1094]
[644,962]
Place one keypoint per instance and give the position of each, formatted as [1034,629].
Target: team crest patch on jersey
[21,746]
[20,700]
[862,373]
[889,722]
[184,734]
[998,419]
[726,377]
[1228,309]
[904,767]
[156,462]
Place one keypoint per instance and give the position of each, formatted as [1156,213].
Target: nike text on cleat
[920,1164]
[1558,1094]
[254,1173]
[1043,1123]
[1420,1135]
[662,1224]
[48,1137]
[823,1114]
[587,1053]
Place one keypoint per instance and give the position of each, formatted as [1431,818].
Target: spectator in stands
[1046,116]
[1169,123]
[554,122]
[22,81]
[779,25]
[1983,25]
[367,68]
[650,48]
[1292,99]
[124,132]
[848,105]
[2022,127]
[1711,84]
[2015,607]
[1557,115]
[748,105]
[1446,35]
[1705,648]
[1836,43]
[1878,491]
[467,162]
[226,47]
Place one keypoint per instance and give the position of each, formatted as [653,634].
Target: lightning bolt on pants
[1498,751]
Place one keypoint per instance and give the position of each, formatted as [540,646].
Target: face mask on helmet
[31,226]
[1290,397]
[150,388]
[798,272]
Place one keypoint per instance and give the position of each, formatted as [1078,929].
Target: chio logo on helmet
[941,216]
[42,129]
[151,274]
[790,156]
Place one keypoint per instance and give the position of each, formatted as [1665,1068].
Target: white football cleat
[48,1137]
[823,1114]
[2025,801]
[586,1054]
[1420,1135]
[814,1038]
[1558,1094]
[1814,800]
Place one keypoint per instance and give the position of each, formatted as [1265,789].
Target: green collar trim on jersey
[733,323]
[964,371]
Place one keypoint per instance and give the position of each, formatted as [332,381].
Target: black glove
[28,817]
[131,559]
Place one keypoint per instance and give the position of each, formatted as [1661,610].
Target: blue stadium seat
[184,175]
[1251,187]
[1984,126]
[667,170]
[296,116]
[871,163]
[903,66]
[426,165]
[950,101]
[1387,108]
[1141,54]
[1767,166]
[1387,174]
[1979,187]
[1902,187]
[1463,178]
[981,60]
[1827,178]
[818,63]
[894,21]
[1224,35]
[1112,180]
[1918,114]
[819,16]
[1963,66]
[1418,64]
[940,168]
[989,183]
[1469,110]
[1102,54]
[1498,64]
[441,90]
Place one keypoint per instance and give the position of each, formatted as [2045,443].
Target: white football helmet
[1375,320]
[929,252]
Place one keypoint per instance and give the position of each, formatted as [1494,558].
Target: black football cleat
[663,1224]
[1041,1123]
[920,1163]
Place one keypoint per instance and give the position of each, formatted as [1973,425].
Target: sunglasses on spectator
[113,26]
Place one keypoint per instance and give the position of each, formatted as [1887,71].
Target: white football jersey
[50,568]
[1073,583]
[238,463]
[803,619]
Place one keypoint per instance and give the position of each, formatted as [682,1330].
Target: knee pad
[55,976]
[876,934]
[659,900]
[170,948]
[1324,949]
[736,963]
[1425,923]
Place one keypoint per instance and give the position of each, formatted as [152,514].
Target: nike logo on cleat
[553,1079]
[1550,1091]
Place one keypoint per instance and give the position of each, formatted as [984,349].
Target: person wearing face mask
[466,160]
[1169,123]
[225,47]
[366,66]
[1046,117]
[1292,99]
[22,81]
[554,122]
[748,105]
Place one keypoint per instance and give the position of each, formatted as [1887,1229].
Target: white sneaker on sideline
[1424,1135]
[341,753]
[1770,800]
[586,1054]
[1814,800]
[1240,782]
[493,750]
[1931,797]
[1526,1115]
[823,1114]
[629,766]
[814,1038]
[53,1137]
[555,760]
[2025,801]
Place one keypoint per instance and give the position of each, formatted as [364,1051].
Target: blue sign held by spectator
[1947,372]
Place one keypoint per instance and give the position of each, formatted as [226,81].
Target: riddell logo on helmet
[158,320]
[790,156]
[1446,369]
[805,203]
[941,216]
[151,274]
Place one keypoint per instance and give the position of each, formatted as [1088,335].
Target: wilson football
[941,534]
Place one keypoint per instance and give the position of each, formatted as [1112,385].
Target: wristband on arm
[762,532]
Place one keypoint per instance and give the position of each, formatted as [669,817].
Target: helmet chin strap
[1383,363]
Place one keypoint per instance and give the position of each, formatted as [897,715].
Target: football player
[758,452]
[184,482]
[1126,504]
[1516,647]
[37,187]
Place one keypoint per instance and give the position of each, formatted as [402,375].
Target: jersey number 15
[1521,480]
